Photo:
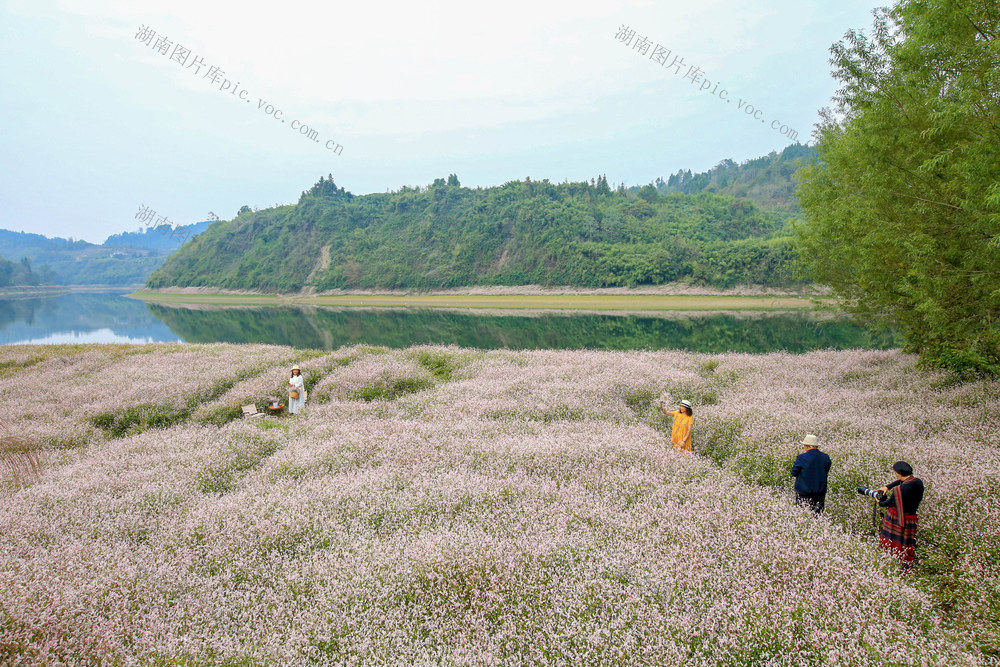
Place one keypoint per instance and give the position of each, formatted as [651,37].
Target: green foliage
[552,414]
[382,389]
[15,274]
[708,367]
[269,424]
[698,392]
[648,194]
[639,399]
[643,402]
[15,366]
[904,208]
[440,364]
[767,181]
[124,259]
[523,232]
[221,415]
[767,469]
[719,439]
[233,462]
[137,419]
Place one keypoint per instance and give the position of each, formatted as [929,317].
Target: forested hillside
[523,232]
[163,237]
[123,259]
[15,274]
[768,181]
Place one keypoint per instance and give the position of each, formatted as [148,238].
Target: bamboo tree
[903,209]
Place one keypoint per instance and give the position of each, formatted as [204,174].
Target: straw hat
[296,368]
[810,441]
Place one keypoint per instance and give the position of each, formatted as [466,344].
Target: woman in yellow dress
[680,434]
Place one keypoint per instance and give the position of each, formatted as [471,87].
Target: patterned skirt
[899,537]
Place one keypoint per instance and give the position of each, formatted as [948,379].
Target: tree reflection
[328,328]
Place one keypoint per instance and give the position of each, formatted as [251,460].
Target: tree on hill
[768,180]
[648,193]
[602,185]
[903,211]
[14,274]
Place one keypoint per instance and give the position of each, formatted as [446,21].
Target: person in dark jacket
[899,528]
[810,471]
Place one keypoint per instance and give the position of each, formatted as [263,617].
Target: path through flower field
[443,505]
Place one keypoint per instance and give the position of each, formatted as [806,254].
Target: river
[111,317]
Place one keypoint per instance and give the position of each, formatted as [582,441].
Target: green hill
[123,259]
[16,274]
[767,181]
[523,232]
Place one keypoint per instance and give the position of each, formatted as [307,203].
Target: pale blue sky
[97,123]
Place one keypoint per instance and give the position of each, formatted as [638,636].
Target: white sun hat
[810,441]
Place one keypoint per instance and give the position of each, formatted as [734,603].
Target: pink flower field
[449,506]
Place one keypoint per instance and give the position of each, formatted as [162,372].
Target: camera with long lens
[871,493]
[881,500]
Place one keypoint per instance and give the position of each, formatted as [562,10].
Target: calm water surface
[110,317]
[81,317]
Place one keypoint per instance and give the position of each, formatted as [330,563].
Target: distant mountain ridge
[123,259]
[521,232]
[160,238]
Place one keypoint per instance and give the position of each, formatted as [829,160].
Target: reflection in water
[329,328]
[95,336]
[80,317]
[109,317]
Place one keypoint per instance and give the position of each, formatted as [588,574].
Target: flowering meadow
[438,505]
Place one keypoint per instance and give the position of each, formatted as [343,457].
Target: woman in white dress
[296,383]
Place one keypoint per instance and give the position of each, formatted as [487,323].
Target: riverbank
[23,291]
[670,289]
[41,291]
[591,301]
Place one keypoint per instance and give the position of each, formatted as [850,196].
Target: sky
[185,108]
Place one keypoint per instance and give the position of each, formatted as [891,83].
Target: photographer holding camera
[899,528]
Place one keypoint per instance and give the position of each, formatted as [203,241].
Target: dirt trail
[322,264]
